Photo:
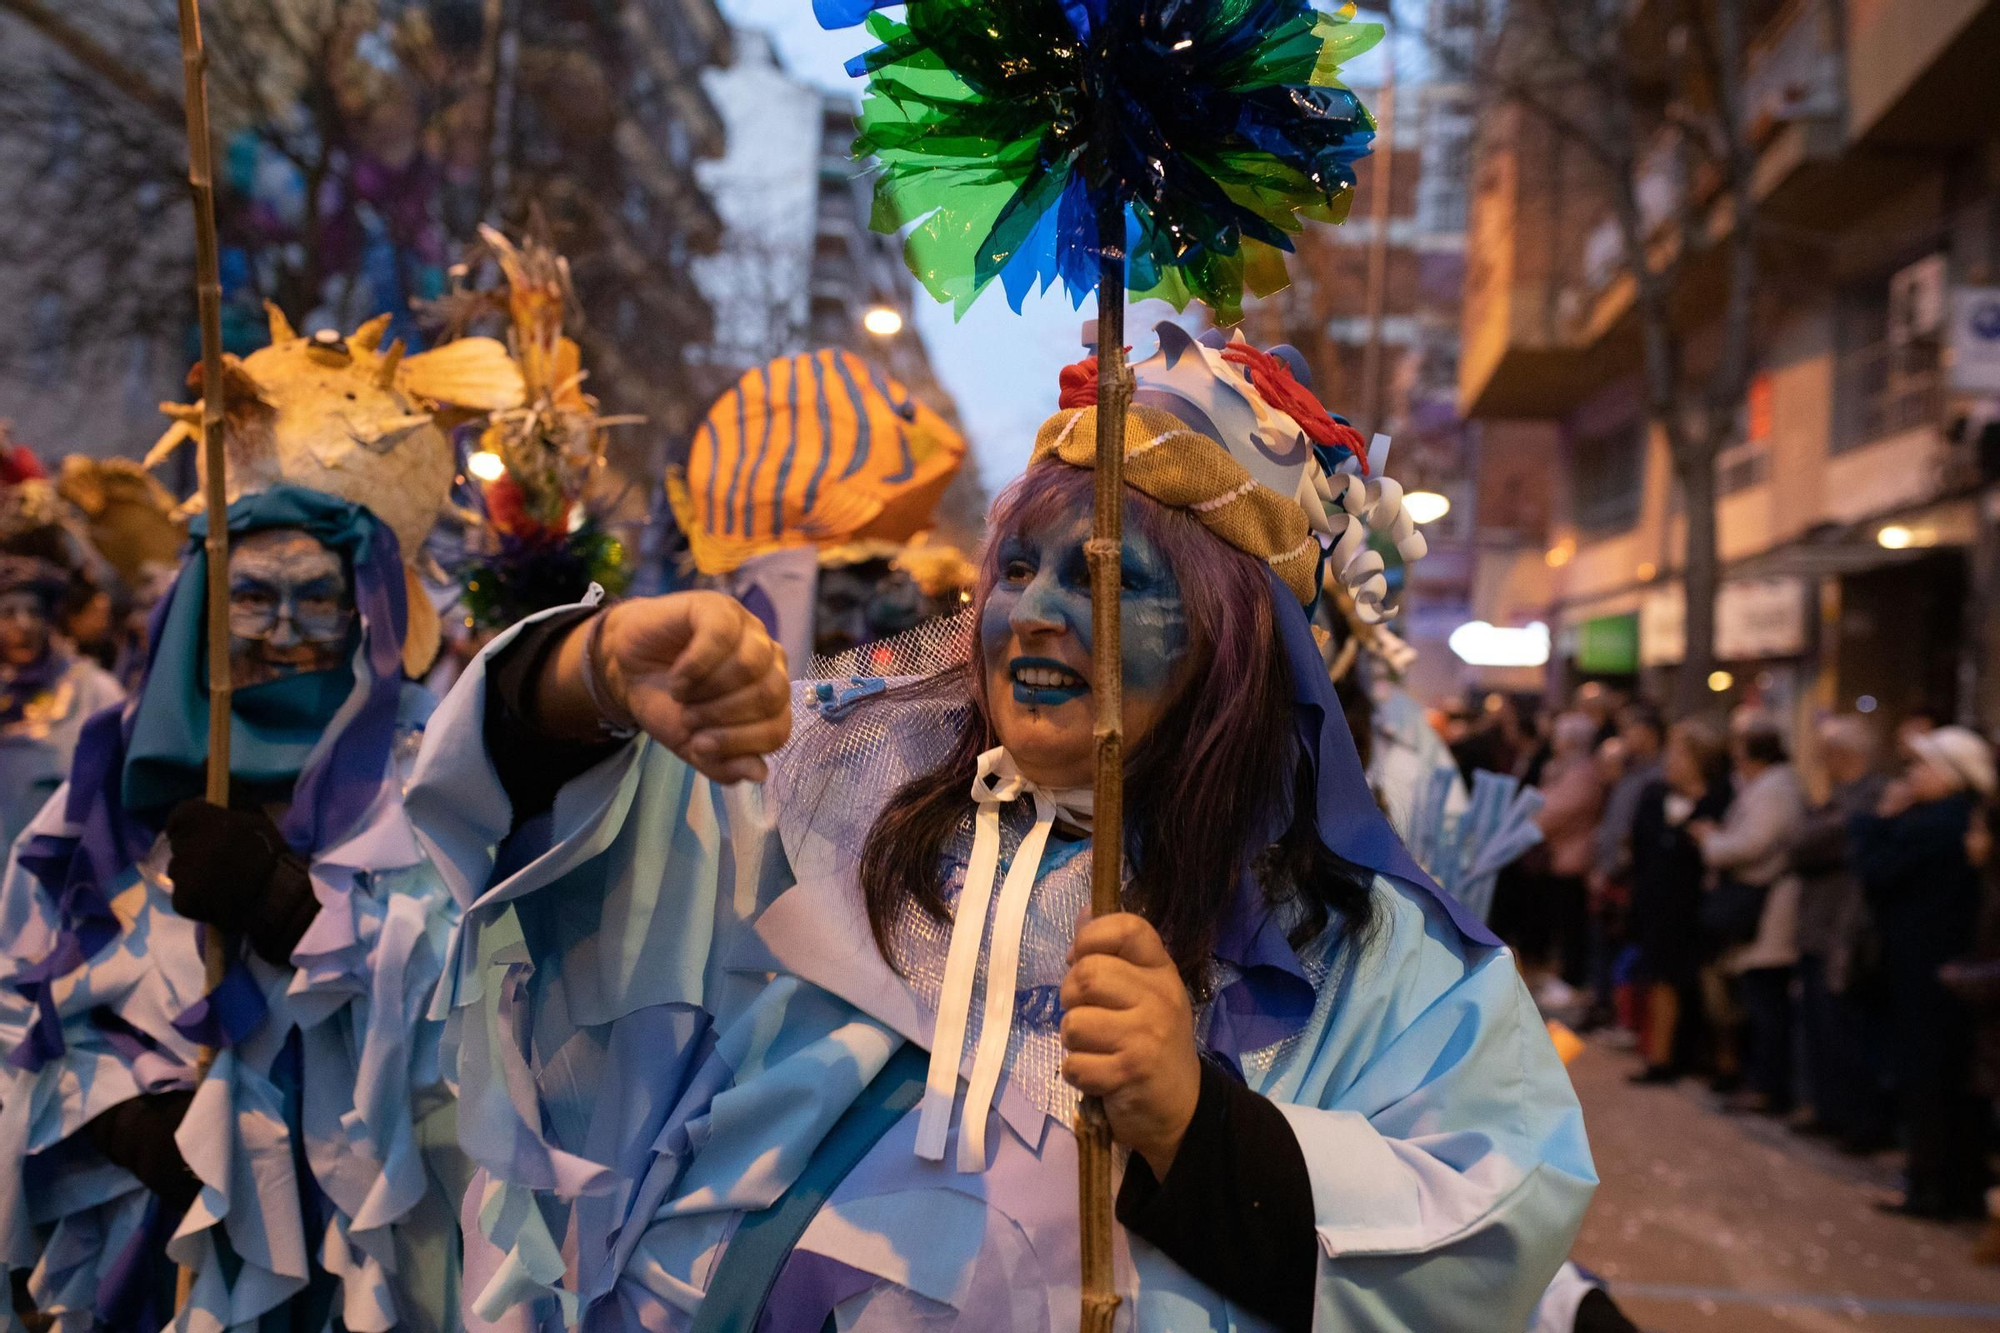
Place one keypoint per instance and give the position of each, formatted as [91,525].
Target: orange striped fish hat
[817,449]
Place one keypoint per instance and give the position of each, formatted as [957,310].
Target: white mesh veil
[849,753]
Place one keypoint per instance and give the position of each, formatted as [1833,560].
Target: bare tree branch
[89,53]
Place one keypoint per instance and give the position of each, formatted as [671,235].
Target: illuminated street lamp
[1897,537]
[1425,506]
[883,321]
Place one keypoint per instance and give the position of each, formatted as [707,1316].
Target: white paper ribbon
[1357,508]
[997,783]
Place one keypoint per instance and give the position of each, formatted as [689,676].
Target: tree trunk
[1701,574]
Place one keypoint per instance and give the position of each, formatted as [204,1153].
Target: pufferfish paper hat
[350,418]
[819,449]
[1233,435]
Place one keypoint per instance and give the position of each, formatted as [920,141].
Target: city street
[1712,1221]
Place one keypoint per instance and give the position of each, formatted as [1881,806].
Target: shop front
[1763,637]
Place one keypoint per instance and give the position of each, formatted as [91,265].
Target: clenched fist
[694,670]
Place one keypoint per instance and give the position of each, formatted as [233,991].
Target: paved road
[1730,1224]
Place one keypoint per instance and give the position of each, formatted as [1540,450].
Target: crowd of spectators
[1818,941]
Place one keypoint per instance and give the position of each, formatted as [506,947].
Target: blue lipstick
[1044,695]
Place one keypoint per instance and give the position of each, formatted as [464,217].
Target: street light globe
[486,465]
[1425,506]
[883,321]
[1720,681]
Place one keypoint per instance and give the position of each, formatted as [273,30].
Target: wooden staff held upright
[1105,555]
[208,298]
[215,493]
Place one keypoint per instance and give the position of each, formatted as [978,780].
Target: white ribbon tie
[996,784]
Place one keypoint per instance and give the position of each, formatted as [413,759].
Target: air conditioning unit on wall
[1917,301]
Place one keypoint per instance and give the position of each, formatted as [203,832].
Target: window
[1447,178]
[1889,378]
[1606,476]
[1741,468]
[50,337]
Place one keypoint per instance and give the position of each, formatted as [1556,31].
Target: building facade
[1854,543]
[358,146]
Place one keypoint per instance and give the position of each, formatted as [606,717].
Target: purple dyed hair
[1209,789]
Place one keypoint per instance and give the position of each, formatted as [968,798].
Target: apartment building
[1854,528]
[348,182]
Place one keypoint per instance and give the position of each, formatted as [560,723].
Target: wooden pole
[1105,555]
[1374,359]
[208,299]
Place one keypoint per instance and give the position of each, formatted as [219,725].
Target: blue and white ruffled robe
[342,1044]
[323,1133]
[663,993]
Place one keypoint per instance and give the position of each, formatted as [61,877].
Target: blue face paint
[1035,636]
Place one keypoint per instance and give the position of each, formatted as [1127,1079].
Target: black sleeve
[1236,1208]
[532,767]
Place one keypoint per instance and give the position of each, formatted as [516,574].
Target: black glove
[231,869]
[139,1136]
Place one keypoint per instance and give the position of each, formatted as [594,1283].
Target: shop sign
[1975,340]
[1608,645]
[1663,626]
[1755,619]
[1759,619]
[1478,643]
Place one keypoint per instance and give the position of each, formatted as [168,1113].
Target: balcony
[1794,71]
[1886,390]
[1559,319]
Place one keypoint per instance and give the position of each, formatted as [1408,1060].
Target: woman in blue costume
[804,1055]
[308,1178]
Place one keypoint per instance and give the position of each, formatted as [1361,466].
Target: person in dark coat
[1841,1007]
[1667,878]
[1912,858]
[1975,981]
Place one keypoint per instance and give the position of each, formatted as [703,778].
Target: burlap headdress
[1232,435]
[350,418]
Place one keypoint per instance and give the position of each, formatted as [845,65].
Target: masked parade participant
[307,1177]
[133,522]
[806,495]
[47,689]
[806,1055]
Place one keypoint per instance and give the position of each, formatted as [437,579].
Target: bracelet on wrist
[595,687]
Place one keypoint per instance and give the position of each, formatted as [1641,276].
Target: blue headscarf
[1272,997]
[326,733]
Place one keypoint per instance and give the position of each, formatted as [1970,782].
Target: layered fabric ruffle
[662,996]
[340,1075]
[321,1135]
[39,738]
